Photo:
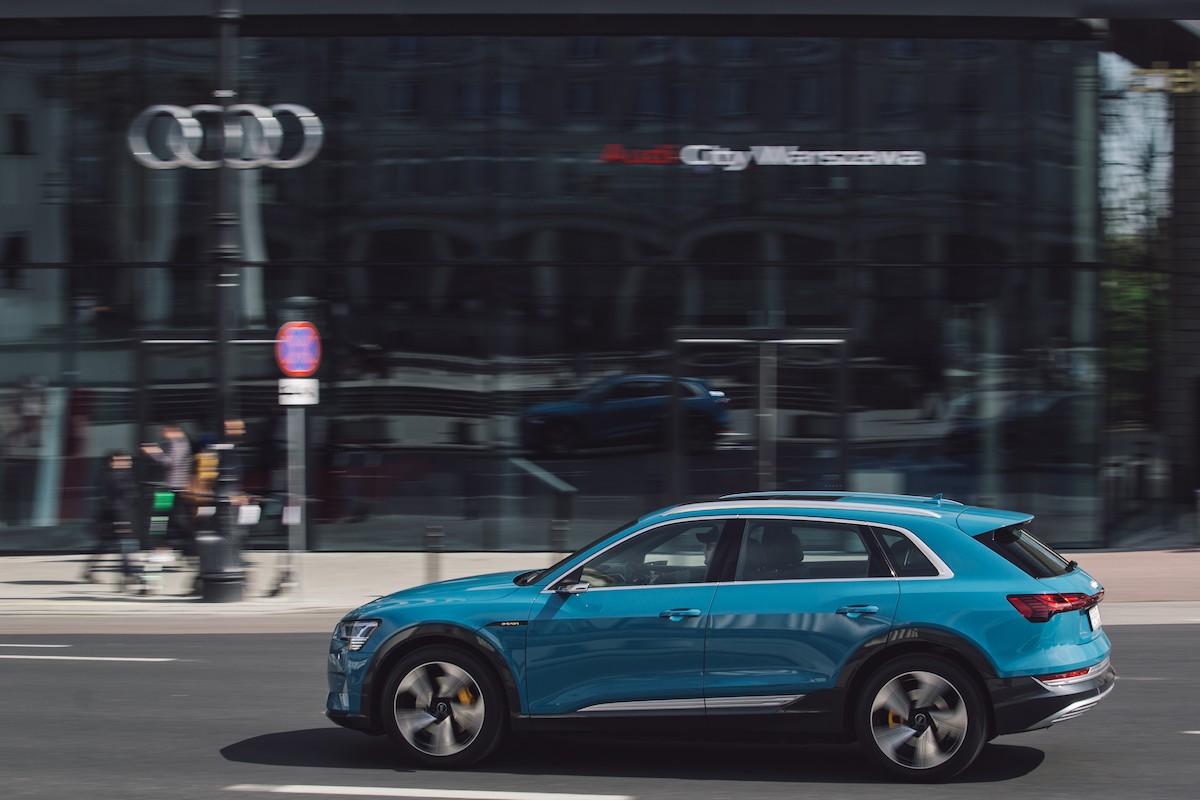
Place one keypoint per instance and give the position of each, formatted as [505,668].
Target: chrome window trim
[944,571]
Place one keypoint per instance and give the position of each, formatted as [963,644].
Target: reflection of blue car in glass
[920,627]
[623,410]
[1051,427]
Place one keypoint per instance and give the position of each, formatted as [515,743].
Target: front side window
[670,554]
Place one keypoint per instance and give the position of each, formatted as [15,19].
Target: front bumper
[1028,704]
[355,722]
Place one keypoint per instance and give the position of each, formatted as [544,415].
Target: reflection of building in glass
[499,218]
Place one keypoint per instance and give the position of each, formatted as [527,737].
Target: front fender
[406,640]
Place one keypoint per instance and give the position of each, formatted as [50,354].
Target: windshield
[526,578]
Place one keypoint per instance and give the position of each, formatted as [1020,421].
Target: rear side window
[906,558]
[1020,548]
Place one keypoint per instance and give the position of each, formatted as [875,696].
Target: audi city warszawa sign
[731,160]
[169,137]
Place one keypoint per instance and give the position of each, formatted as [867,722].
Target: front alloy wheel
[443,708]
[921,717]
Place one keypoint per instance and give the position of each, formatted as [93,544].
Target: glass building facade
[885,253]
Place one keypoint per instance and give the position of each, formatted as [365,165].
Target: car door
[615,413]
[624,634]
[805,595]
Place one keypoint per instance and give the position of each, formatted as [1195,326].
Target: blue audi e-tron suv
[920,627]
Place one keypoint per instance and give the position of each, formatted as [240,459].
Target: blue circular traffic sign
[298,349]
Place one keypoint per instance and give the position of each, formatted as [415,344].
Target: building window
[807,96]
[15,250]
[404,97]
[906,49]
[583,48]
[1051,95]
[18,135]
[470,99]
[508,98]
[658,98]
[734,98]
[737,48]
[404,48]
[970,94]
[902,96]
[583,98]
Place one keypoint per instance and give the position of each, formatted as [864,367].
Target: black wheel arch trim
[408,639]
[906,637]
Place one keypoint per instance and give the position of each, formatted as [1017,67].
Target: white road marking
[82,658]
[433,794]
[3,644]
[1193,733]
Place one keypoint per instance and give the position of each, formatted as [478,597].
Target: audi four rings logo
[169,137]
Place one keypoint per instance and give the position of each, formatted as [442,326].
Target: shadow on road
[743,763]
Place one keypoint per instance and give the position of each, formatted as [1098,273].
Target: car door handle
[858,610]
[676,614]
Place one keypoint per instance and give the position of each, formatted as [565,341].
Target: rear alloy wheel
[443,708]
[922,718]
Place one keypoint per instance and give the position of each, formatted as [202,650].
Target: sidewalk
[1141,587]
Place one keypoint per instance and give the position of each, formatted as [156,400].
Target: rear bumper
[1028,704]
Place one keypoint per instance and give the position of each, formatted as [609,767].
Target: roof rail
[834,497]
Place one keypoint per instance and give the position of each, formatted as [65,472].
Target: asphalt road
[236,710]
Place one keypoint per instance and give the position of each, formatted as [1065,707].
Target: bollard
[221,576]
[433,546]
[558,535]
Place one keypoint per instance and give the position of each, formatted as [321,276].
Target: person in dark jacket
[115,514]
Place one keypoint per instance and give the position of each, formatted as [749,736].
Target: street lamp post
[221,575]
[226,248]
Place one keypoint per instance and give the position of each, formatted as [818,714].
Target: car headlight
[356,631]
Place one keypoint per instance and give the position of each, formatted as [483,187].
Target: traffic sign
[298,349]
[299,391]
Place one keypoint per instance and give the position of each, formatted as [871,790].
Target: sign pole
[298,353]
[296,518]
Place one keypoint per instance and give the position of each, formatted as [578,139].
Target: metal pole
[226,249]
[433,548]
[225,255]
[297,532]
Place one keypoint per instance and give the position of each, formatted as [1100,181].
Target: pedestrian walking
[174,455]
[115,513]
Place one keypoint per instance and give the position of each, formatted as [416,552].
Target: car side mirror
[568,588]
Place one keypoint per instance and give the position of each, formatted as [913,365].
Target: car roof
[868,506]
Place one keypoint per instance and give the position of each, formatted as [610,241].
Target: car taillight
[1041,607]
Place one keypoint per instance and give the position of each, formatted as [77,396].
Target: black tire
[442,707]
[929,742]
